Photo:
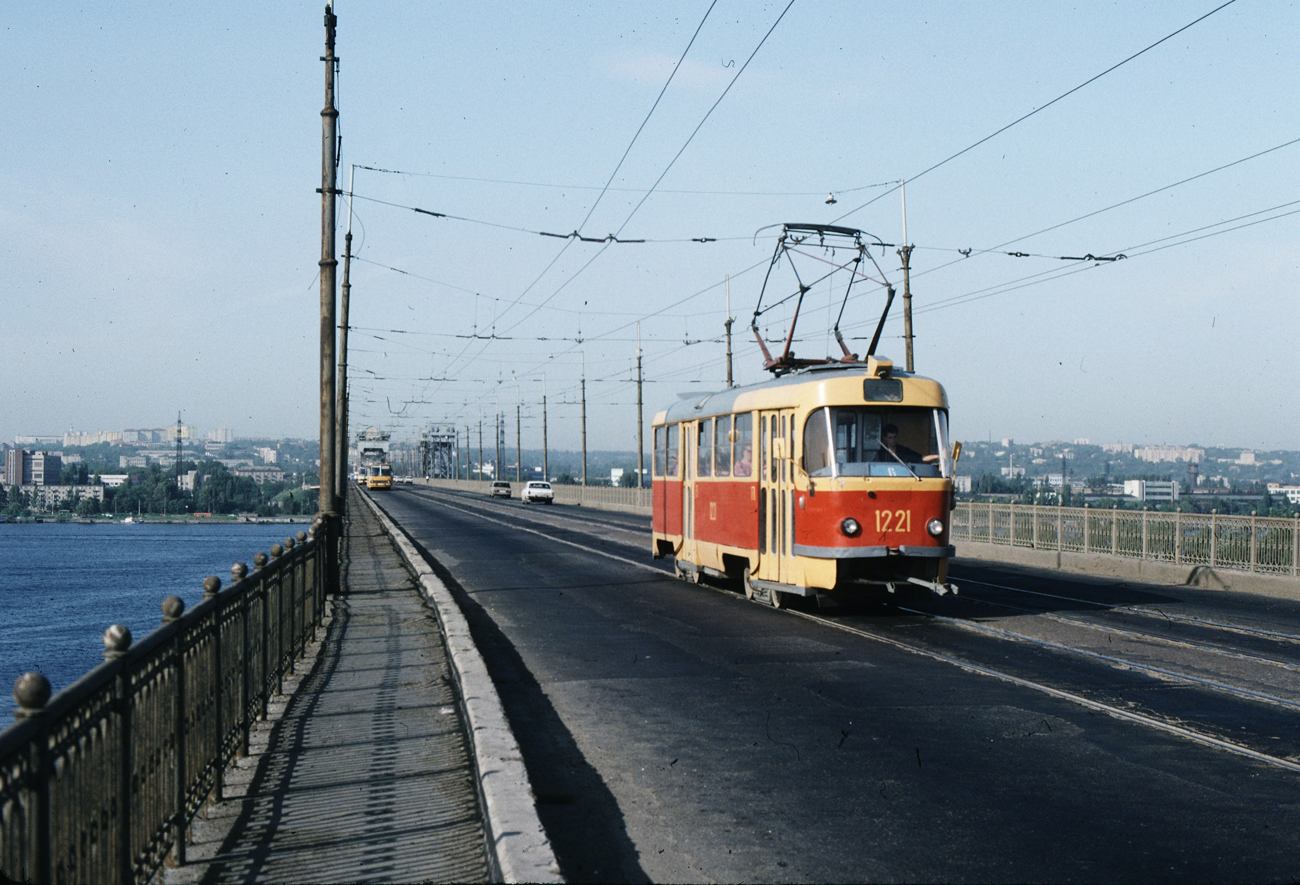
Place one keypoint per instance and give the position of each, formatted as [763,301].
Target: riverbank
[154,519]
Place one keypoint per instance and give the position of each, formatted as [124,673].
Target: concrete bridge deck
[368,773]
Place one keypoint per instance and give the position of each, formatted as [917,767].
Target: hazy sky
[159,225]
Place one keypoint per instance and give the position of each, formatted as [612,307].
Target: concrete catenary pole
[906,254]
[546,448]
[640,419]
[328,264]
[584,419]
[730,320]
[341,432]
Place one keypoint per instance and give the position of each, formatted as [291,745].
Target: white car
[500,489]
[537,491]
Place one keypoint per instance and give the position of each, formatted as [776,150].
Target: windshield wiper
[901,461]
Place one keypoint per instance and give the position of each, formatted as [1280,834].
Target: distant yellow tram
[833,479]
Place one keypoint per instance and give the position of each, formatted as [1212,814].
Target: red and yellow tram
[829,480]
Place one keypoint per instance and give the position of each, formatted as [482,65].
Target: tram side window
[816,444]
[661,449]
[744,465]
[722,446]
[704,449]
[672,450]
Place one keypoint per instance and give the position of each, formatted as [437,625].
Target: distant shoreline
[165,520]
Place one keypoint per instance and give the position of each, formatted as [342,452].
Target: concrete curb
[522,852]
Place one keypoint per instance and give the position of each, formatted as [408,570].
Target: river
[62,584]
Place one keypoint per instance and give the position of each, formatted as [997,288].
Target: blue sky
[159,226]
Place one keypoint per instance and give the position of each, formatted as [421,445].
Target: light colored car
[537,491]
[500,489]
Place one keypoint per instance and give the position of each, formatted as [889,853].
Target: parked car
[500,489]
[537,491]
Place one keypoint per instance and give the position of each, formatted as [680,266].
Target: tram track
[1181,701]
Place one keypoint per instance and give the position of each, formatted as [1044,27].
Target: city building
[1156,454]
[1151,490]
[18,467]
[962,484]
[1291,492]
[222,435]
[46,468]
[114,480]
[56,497]
[261,475]
[267,454]
[187,480]
[1117,448]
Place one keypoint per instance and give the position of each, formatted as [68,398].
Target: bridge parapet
[100,782]
[1188,542]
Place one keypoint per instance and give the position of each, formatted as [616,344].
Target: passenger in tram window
[745,462]
[722,446]
[891,449]
[744,434]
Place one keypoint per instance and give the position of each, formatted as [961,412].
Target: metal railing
[1264,545]
[100,783]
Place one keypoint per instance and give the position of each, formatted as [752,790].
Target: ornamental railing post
[1114,530]
[1254,542]
[1295,543]
[1011,509]
[992,536]
[211,585]
[1178,536]
[1144,532]
[1033,515]
[295,638]
[237,572]
[173,607]
[277,553]
[1060,524]
[263,693]
[1214,537]
[1087,529]
[117,640]
[32,692]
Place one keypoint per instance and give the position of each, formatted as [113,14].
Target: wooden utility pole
[328,264]
[519,458]
[640,419]
[496,463]
[480,447]
[546,449]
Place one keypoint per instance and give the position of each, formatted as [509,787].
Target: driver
[891,450]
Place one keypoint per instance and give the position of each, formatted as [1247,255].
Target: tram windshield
[867,441]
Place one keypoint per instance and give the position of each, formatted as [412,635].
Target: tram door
[688,461]
[776,485]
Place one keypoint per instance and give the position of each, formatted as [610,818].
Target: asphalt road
[677,732]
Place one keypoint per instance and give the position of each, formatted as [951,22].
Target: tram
[833,479]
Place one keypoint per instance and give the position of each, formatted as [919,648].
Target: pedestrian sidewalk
[367,774]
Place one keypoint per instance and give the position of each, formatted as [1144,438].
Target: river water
[62,584]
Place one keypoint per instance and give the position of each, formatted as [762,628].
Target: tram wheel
[690,575]
[778,599]
[751,592]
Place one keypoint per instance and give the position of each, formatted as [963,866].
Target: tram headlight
[850,527]
[935,527]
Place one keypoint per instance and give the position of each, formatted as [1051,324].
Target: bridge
[520,693]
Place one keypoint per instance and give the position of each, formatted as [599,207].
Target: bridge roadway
[1039,727]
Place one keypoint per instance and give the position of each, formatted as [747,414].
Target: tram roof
[724,402]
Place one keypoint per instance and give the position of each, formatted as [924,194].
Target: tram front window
[876,442]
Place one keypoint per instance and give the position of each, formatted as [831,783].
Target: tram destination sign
[882,390]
